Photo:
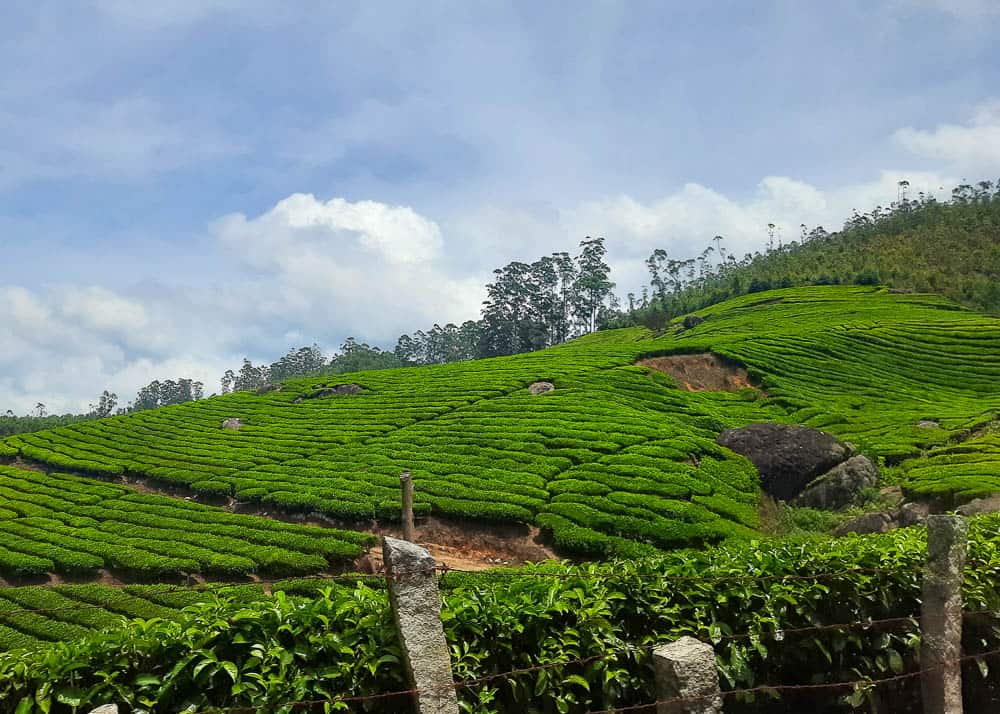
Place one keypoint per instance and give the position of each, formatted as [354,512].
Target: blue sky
[182,182]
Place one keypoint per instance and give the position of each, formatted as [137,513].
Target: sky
[186,182]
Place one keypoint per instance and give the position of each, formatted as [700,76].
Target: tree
[357,356]
[161,394]
[592,283]
[297,363]
[250,378]
[105,405]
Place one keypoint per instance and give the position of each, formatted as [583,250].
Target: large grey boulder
[839,486]
[979,506]
[867,523]
[233,424]
[787,456]
[913,514]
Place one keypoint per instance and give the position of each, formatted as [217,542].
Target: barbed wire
[467,683]
[828,686]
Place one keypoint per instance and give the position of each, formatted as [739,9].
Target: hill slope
[949,248]
[617,458]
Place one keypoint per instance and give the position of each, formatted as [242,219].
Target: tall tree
[593,285]
[105,405]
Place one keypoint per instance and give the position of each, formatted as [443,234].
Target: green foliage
[247,649]
[71,524]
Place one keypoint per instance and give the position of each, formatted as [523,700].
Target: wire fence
[622,650]
[759,689]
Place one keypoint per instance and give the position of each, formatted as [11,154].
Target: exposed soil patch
[705,372]
[471,546]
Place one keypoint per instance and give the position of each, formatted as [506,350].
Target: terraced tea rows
[957,472]
[615,459]
[74,525]
[32,616]
[868,368]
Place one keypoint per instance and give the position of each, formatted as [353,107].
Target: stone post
[941,615]
[686,669]
[406,484]
[416,606]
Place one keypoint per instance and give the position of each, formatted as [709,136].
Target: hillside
[617,459]
[950,248]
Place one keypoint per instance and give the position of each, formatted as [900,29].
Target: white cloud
[23,308]
[972,148]
[103,310]
[376,267]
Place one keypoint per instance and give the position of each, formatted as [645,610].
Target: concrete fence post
[406,484]
[686,670]
[416,606]
[941,615]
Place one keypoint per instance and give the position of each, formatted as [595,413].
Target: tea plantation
[615,460]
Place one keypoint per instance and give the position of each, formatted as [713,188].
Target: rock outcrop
[979,506]
[788,457]
[839,486]
[866,523]
[541,388]
[913,514]
[232,423]
[339,390]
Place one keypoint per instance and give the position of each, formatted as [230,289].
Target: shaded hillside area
[618,458]
[923,245]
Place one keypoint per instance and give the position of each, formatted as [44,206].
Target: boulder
[269,388]
[343,390]
[340,390]
[867,523]
[839,486]
[913,514]
[541,388]
[979,506]
[788,457]
[927,424]
[692,321]
[232,423]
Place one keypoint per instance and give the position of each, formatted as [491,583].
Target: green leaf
[895,661]
[71,695]
[231,669]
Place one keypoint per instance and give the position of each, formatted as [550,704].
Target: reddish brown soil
[471,546]
[705,372]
